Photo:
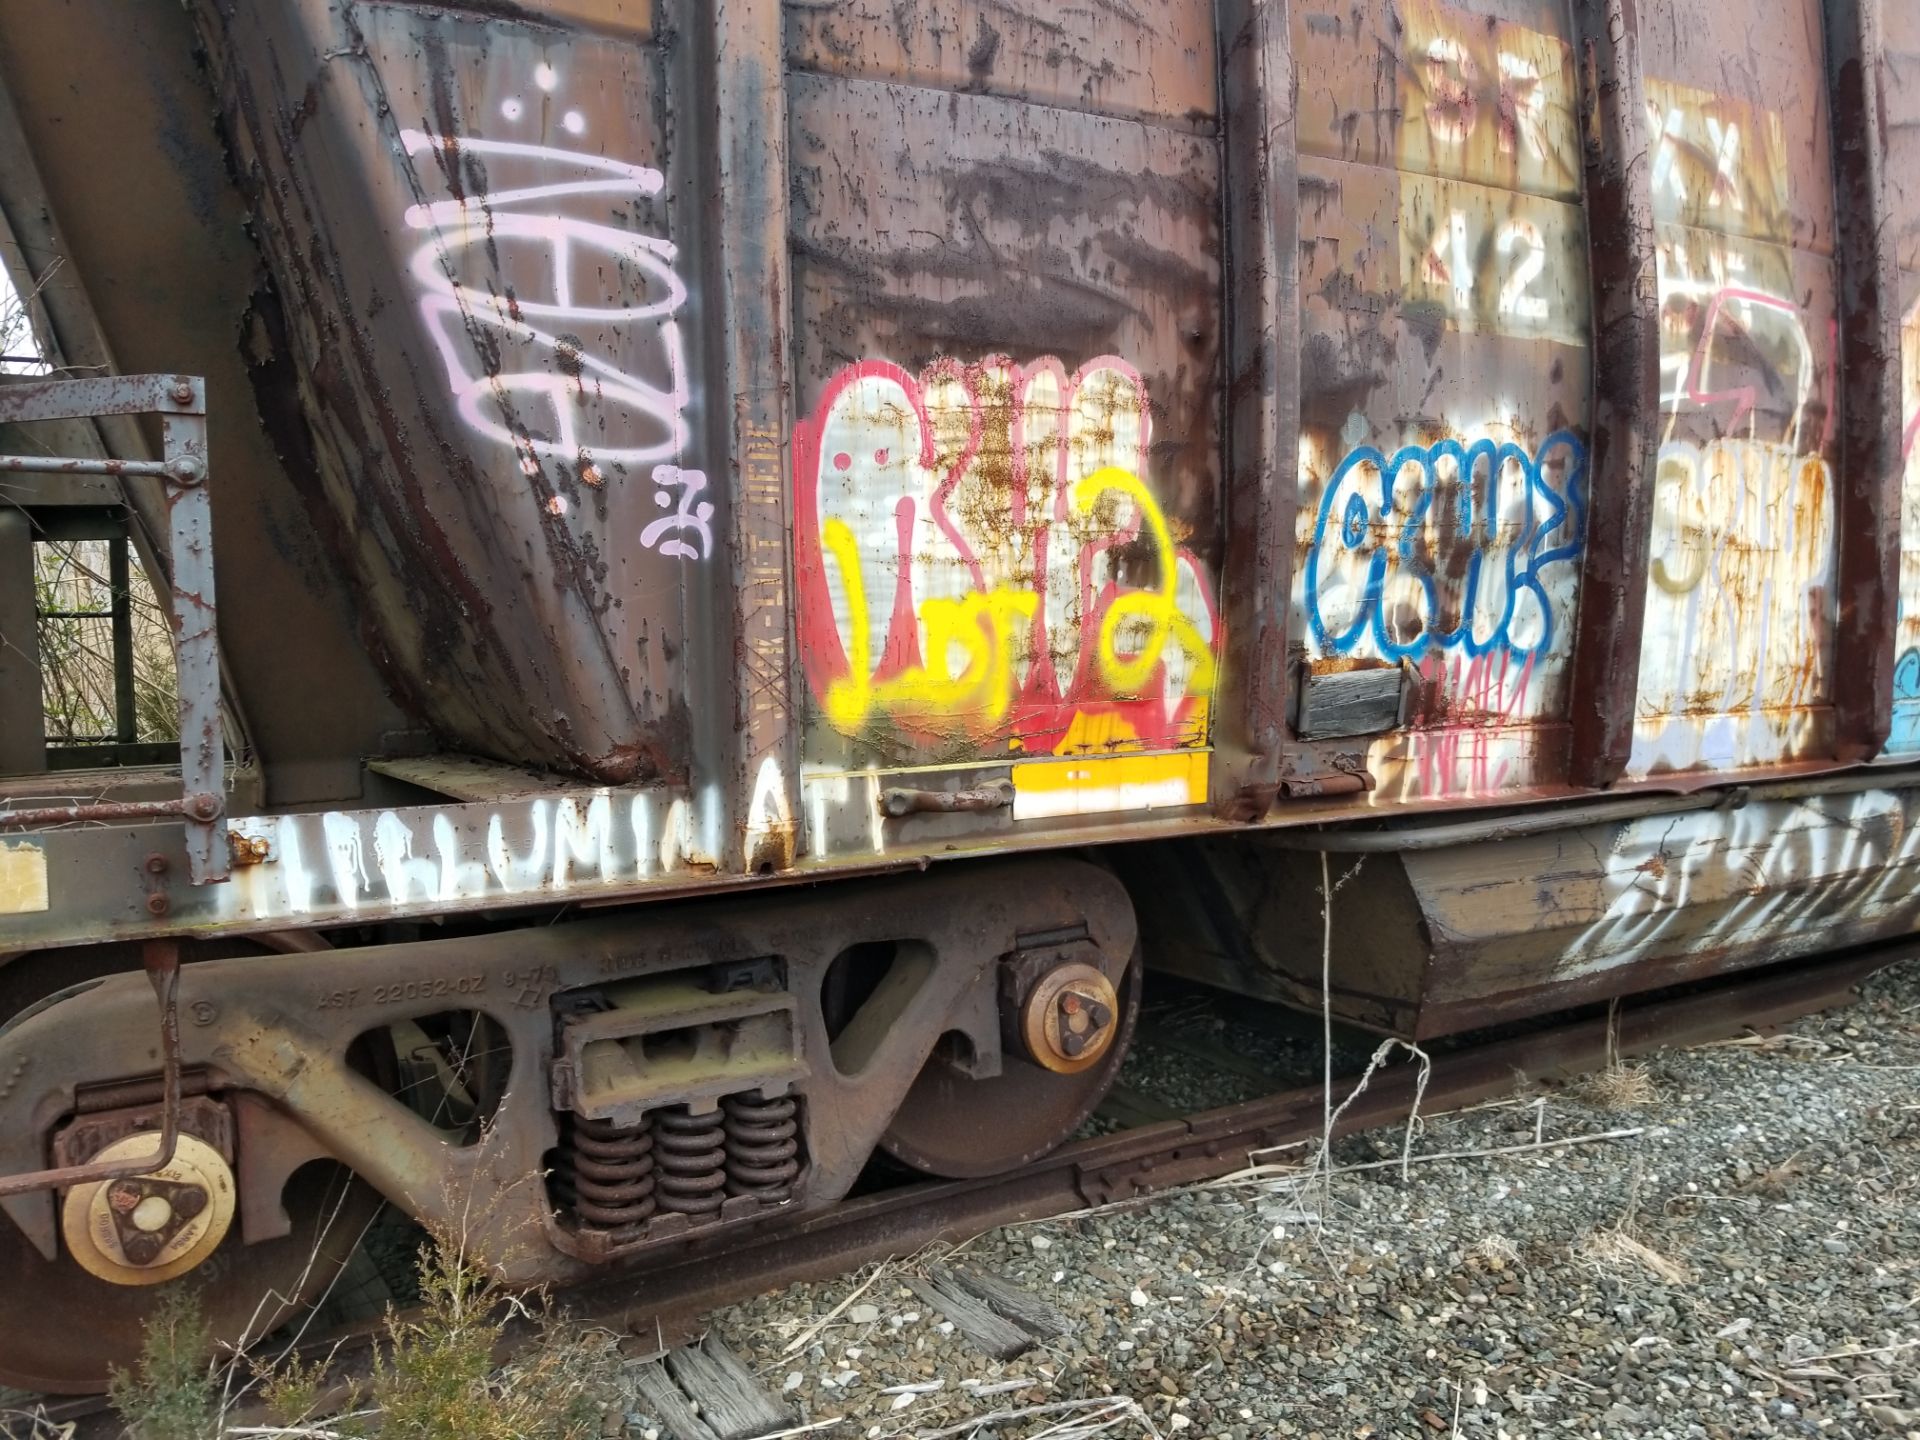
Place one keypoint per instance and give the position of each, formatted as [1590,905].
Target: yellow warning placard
[1109,783]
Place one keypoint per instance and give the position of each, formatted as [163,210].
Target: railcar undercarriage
[567,1095]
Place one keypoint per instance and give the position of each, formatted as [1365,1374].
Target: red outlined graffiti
[981,563]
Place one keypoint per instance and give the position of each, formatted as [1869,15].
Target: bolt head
[156,864]
[182,392]
[158,905]
[1083,1012]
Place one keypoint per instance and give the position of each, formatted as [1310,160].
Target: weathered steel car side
[617,462]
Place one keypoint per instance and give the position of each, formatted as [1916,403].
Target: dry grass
[1776,1180]
[1495,1252]
[1619,1087]
[1618,1251]
[434,1374]
[72,591]
[1788,1043]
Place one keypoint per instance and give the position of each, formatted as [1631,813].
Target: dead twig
[805,1337]
[1268,1172]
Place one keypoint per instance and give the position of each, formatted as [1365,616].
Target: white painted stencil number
[1450,263]
[1514,296]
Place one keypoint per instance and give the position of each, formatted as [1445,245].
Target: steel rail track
[669,1297]
[1144,1161]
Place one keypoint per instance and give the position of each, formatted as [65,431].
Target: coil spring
[763,1146]
[691,1157]
[609,1170]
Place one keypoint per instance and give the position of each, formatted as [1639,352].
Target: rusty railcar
[615,460]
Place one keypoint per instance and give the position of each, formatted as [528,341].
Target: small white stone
[845,1378]
[945,1327]
[1139,1297]
[1178,1421]
[912,1317]
[904,1399]
[854,1352]
[864,1314]
[1058,1276]
[1040,1242]
[794,1380]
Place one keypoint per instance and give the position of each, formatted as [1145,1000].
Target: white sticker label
[23,878]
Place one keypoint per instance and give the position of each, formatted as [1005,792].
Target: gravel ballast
[1740,1258]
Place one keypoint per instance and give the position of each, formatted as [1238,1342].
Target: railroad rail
[670,1297]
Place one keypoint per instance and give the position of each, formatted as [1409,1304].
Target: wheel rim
[955,1126]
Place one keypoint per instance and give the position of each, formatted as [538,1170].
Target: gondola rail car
[615,467]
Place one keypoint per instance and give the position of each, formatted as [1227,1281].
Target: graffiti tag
[980,560]
[1738,622]
[1384,573]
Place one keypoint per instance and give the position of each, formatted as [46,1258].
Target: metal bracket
[896,802]
[161,959]
[181,402]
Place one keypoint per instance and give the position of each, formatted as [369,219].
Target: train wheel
[954,1125]
[63,1329]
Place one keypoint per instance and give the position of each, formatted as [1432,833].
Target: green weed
[171,1393]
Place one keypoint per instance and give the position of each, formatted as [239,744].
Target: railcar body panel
[761,441]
